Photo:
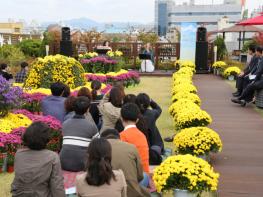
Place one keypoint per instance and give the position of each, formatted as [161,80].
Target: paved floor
[241,130]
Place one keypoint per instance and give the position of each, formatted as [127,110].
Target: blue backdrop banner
[188,41]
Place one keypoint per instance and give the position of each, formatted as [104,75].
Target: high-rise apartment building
[169,15]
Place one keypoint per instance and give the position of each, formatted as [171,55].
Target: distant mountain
[82,23]
[78,23]
[87,24]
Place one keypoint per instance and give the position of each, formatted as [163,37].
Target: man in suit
[256,84]
[243,79]
[125,156]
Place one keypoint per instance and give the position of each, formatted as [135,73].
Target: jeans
[146,180]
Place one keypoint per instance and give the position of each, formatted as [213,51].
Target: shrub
[58,68]
[31,48]
[10,97]
[221,47]
[11,55]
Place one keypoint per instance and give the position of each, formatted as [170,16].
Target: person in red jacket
[132,135]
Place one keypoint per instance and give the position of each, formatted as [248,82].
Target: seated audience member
[110,107]
[100,179]
[69,103]
[132,135]
[243,78]
[21,76]
[93,114]
[125,156]
[4,72]
[248,93]
[96,91]
[37,170]
[129,98]
[155,157]
[77,135]
[66,92]
[143,101]
[54,105]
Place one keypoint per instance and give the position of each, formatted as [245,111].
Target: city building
[14,32]
[170,15]
[11,27]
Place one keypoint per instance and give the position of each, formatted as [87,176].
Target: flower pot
[217,72]
[10,169]
[205,157]
[231,77]
[4,166]
[184,193]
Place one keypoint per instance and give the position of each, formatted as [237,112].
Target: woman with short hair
[99,179]
[110,107]
[37,170]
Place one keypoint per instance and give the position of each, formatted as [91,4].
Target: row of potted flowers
[188,173]
[222,69]
[112,61]
[128,78]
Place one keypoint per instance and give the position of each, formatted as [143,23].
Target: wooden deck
[241,129]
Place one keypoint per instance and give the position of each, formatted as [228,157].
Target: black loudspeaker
[66,48]
[65,33]
[201,34]
[201,57]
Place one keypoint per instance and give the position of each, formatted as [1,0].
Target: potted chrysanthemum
[218,67]
[231,72]
[188,114]
[198,141]
[186,175]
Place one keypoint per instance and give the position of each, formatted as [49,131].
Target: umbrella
[239,29]
[258,20]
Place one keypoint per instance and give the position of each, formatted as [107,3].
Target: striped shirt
[79,131]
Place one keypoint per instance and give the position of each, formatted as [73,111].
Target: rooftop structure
[11,27]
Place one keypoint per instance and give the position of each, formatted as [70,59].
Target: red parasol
[258,20]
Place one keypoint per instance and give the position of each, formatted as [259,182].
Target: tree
[11,55]
[221,47]
[148,37]
[248,44]
[31,47]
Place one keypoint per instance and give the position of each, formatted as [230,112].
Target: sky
[99,10]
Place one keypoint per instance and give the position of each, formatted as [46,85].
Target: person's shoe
[236,93]
[243,103]
[169,139]
[235,100]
